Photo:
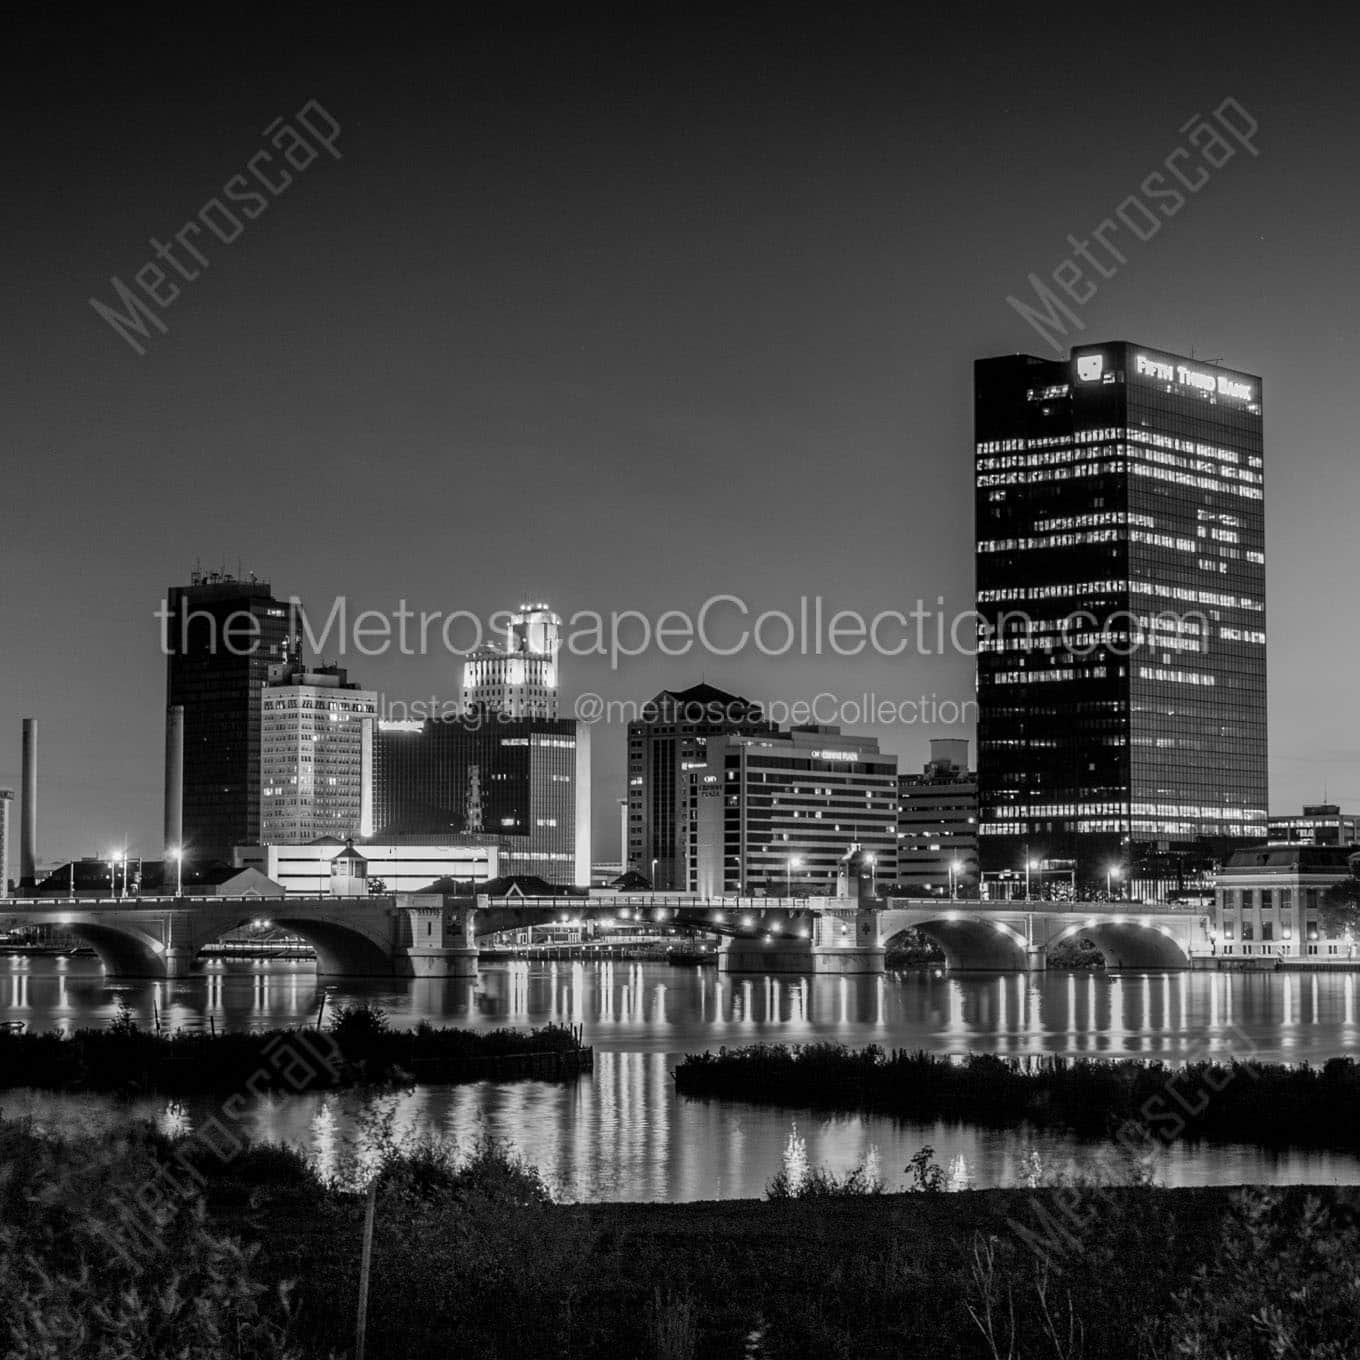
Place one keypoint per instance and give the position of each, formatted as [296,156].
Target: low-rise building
[1319,824]
[310,871]
[1267,903]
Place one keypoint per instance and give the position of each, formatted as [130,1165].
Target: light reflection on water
[624,1134]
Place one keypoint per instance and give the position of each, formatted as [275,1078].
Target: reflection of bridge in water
[436,935]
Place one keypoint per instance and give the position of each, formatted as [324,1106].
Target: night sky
[623,314]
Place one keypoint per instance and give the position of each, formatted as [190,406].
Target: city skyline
[659,369]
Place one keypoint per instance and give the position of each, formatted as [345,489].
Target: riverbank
[474,1250]
[357,1049]
[1268,1105]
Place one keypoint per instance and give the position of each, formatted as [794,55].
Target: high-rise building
[316,755]
[667,741]
[937,840]
[6,802]
[517,678]
[221,637]
[1121,593]
[779,813]
[522,785]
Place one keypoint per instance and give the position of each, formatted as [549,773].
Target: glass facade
[516,783]
[222,636]
[1121,602]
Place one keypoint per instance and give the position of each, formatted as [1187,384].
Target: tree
[1339,909]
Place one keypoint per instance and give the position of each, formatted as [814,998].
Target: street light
[954,867]
[1112,872]
[793,862]
[178,856]
[1029,864]
[115,859]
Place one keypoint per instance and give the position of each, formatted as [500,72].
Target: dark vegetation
[471,1257]
[1265,1105]
[359,1047]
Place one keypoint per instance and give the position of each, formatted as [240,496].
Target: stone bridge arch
[971,943]
[124,949]
[344,947]
[1139,945]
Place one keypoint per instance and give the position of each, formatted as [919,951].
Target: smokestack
[28,826]
[174,782]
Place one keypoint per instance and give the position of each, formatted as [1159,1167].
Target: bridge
[436,935]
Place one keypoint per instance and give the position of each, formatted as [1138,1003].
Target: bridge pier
[843,941]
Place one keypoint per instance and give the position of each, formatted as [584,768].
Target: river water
[623,1133]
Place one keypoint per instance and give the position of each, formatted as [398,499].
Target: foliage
[90,1272]
[1339,909]
[359,1047]
[1143,1103]
[1282,1283]
[927,1176]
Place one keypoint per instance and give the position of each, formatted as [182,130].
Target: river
[623,1133]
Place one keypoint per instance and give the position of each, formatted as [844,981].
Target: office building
[6,803]
[222,635]
[667,741]
[778,813]
[937,841]
[316,755]
[519,677]
[523,785]
[391,865]
[1267,903]
[1121,593]
[1319,824]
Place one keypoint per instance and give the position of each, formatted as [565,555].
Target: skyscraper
[221,637]
[1121,595]
[667,741]
[316,756]
[519,677]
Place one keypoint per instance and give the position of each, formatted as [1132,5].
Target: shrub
[95,1266]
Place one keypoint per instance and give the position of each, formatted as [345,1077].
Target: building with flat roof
[1267,903]
[312,871]
[779,813]
[316,755]
[521,784]
[1121,586]
[221,637]
[937,842]
[666,742]
[1318,824]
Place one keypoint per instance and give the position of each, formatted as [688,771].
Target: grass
[470,1253]
[1265,1105]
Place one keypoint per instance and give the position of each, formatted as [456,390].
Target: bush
[95,1263]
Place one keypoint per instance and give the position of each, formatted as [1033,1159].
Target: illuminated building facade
[1319,824]
[522,785]
[666,743]
[777,813]
[1268,899]
[316,756]
[221,637]
[1121,594]
[518,679]
[937,840]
